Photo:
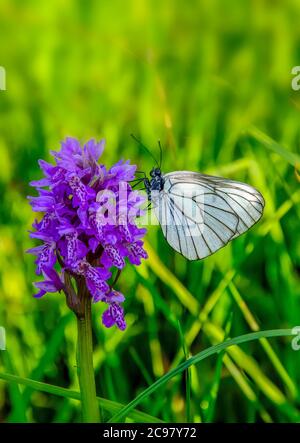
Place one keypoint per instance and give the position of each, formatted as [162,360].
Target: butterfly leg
[137,182]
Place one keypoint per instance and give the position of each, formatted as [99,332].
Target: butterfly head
[156,183]
[155,172]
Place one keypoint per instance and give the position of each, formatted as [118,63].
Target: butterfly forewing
[200,214]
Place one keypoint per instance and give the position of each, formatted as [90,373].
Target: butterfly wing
[200,214]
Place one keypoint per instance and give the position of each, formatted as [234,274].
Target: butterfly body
[199,213]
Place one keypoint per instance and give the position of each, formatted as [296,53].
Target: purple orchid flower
[88,227]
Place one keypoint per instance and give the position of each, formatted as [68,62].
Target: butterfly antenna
[160,154]
[145,148]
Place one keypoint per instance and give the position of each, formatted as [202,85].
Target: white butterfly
[199,213]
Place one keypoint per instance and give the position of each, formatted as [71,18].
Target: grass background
[212,80]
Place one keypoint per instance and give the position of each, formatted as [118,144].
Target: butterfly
[199,213]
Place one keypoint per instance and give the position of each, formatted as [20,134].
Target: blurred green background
[201,76]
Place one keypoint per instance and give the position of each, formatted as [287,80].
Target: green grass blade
[50,352]
[213,331]
[108,405]
[185,297]
[217,376]
[270,144]
[138,361]
[248,364]
[187,376]
[194,360]
[18,412]
[249,317]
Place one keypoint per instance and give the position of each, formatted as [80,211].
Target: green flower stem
[85,370]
